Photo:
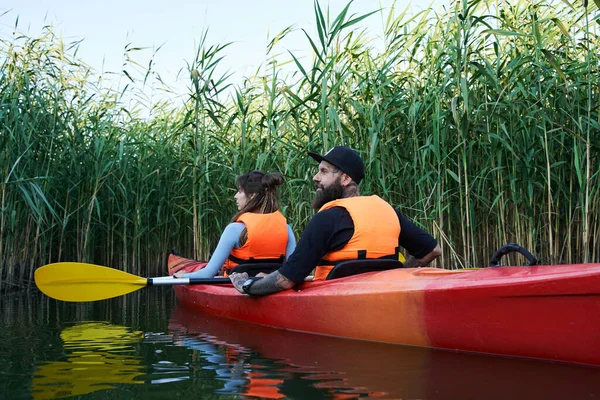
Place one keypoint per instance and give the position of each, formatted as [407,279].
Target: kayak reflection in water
[254,361]
[347,226]
[258,232]
[229,361]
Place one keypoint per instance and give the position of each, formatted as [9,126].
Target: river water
[145,345]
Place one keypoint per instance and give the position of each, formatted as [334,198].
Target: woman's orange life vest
[267,240]
[376,232]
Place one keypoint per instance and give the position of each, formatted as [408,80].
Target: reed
[480,122]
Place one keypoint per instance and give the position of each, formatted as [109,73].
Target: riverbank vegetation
[480,121]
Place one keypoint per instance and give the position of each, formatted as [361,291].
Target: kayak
[549,312]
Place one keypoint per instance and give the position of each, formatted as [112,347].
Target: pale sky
[107,26]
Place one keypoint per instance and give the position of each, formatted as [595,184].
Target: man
[347,226]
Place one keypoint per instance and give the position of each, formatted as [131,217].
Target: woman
[258,232]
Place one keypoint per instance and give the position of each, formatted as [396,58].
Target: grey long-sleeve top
[230,239]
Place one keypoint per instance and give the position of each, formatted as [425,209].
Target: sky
[105,27]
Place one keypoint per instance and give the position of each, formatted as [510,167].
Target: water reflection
[336,368]
[99,356]
[232,366]
[47,351]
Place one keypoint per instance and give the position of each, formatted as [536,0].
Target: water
[144,345]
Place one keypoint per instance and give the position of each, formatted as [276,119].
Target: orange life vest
[376,232]
[267,240]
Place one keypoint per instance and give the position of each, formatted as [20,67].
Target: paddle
[78,282]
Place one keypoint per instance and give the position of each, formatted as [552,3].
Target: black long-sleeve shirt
[332,229]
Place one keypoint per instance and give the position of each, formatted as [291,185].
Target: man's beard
[333,192]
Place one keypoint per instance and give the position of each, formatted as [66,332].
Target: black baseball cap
[345,159]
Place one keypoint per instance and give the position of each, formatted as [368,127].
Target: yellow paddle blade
[72,281]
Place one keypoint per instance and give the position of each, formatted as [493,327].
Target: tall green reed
[479,122]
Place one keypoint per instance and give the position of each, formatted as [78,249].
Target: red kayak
[547,312]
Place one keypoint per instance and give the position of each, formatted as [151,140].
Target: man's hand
[238,279]
[271,283]
[412,262]
[179,274]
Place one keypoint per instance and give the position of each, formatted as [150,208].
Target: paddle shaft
[170,281]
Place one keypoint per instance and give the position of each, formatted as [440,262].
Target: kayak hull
[544,312]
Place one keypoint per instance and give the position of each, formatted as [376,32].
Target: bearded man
[347,226]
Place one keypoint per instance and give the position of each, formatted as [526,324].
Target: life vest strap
[253,260]
[253,269]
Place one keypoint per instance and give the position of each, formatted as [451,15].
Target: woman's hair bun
[272,180]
